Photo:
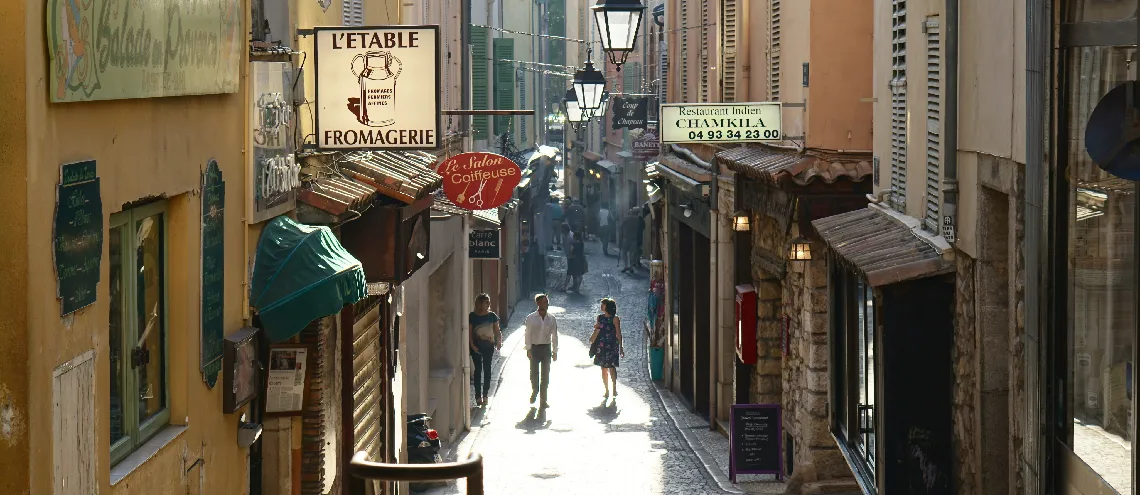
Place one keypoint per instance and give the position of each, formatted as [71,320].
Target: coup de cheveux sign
[276,173]
[720,122]
[630,113]
[116,49]
[479,181]
[378,87]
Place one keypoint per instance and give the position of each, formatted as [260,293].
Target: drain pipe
[714,278]
[1038,37]
[950,131]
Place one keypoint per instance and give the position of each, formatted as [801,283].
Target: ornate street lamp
[574,114]
[618,23]
[601,113]
[589,84]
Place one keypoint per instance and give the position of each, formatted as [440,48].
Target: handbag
[597,341]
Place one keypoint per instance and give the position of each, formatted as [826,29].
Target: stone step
[832,487]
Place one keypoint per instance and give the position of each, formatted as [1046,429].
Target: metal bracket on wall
[304,32]
[794,105]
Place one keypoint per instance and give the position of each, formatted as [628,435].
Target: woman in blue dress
[607,345]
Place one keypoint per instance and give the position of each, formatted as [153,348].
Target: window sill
[145,452]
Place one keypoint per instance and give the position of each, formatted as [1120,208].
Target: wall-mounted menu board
[755,439]
[77,238]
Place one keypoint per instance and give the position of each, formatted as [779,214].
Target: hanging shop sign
[213,271]
[113,50]
[631,113]
[77,239]
[484,244]
[378,88]
[276,173]
[648,144]
[479,181]
[720,122]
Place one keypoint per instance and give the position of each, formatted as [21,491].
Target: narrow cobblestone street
[583,444]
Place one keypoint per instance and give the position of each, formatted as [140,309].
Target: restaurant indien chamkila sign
[479,181]
[121,49]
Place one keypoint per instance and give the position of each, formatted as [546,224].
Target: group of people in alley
[541,344]
[574,223]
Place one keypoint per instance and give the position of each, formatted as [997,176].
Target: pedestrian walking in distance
[606,345]
[605,227]
[485,339]
[576,264]
[541,347]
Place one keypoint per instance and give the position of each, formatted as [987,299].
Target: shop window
[137,327]
[1102,278]
[854,386]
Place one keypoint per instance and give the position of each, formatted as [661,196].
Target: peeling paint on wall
[11,419]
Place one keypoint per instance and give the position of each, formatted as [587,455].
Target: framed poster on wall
[288,384]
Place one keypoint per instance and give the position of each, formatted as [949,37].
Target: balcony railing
[472,469]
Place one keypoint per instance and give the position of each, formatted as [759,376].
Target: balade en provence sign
[720,122]
[120,49]
[378,87]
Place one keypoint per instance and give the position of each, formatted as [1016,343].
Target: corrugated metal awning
[405,176]
[337,195]
[883,248]
[766,163]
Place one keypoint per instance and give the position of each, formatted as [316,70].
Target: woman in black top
[485,338]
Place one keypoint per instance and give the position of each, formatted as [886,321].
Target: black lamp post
[601,113]
[618,23]
[588,86]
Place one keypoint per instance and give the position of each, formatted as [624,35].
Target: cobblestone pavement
[583,444]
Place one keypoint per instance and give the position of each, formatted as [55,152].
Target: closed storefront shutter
[933,125]
[480,97]
[369,386]
[504,82]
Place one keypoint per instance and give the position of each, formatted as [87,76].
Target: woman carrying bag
[606,345]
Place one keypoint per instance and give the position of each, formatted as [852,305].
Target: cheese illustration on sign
[377,87]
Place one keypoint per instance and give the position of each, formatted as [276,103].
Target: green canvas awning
[301,273]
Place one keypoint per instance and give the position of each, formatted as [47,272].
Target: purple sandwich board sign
[755,440]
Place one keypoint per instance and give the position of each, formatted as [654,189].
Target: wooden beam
[488,112]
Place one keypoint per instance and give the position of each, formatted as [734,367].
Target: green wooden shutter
[480,81]
[504,49]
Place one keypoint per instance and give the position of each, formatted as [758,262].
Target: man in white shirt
[541,347]
[605,230]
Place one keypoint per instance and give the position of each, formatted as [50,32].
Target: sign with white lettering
[378,87]
[78,236]
[630,113]
[213,271]
[276,174]
[648,144]
[720,122]
[484,244]
[113,49]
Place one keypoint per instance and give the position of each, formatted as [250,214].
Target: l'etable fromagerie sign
[717,122]
[378,87]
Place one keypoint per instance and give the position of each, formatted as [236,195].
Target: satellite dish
[1112,136]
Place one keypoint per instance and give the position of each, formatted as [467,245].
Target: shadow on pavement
[535,420]
[605,412]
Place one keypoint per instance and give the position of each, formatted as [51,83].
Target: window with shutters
[774,52]
[729,43]
[933,125]
[704,51]
[684,55]
[663,72]
[352,12]
[480,81]
[521,76]
[898,104]
[369,384]
[504,49]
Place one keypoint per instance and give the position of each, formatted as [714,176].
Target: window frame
[847,290]
[138,434]
[1063,468]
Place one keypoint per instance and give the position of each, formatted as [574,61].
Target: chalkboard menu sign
[213,271]
[755,440]
[483,244]
[77,240]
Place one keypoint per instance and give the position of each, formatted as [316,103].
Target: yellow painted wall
[143,147]
[13,260]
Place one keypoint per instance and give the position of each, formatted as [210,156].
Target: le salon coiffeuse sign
[479,181]
[378,87]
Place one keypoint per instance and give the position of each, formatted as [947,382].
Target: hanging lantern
[618,23]
[741,221]
[574,114]
[601,113]
[800,250]
[588,86]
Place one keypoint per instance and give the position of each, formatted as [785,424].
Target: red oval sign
[479,181]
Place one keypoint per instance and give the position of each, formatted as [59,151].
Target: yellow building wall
[143,148]
[13,261]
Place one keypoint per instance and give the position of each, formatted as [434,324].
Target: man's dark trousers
[539,357]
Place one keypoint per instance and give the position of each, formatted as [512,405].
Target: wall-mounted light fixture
[800,250]
[741,221]
[688,207]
